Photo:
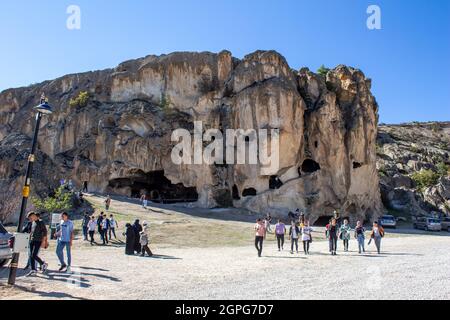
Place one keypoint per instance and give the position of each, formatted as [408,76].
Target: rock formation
[406,149]
[120,139]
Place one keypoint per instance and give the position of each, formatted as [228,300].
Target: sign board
[56,218]
[21,242]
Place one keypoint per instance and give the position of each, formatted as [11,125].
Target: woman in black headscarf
[130,239]
[137,231]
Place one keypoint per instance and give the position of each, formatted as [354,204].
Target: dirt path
[411,267]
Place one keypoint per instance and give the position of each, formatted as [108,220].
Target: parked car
[428,224]
[5,250]
[388,221]
[445,224]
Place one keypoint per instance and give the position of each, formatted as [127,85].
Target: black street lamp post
[42,109]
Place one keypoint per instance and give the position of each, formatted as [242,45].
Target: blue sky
[408,59]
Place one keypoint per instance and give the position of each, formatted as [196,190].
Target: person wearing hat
[144,240]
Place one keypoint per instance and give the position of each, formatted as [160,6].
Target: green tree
[323,70]
[80,101]
[60,201]
[425,179]
[443,169]
[164,102]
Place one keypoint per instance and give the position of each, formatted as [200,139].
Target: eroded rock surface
[120,141]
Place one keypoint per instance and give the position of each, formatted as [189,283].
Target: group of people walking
[300,229]
[39,239]
[106,227]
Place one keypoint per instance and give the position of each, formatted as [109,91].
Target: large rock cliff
[120,140]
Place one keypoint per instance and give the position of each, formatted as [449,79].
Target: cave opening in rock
[310,166]
[275,182]
[235,193]
[322,221]
[155,185]
[249,192]
[356,165]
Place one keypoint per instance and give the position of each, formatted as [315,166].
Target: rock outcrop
[120,140]
[407,149]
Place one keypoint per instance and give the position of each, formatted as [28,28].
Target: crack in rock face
[120,139]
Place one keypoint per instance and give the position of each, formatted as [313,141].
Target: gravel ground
[415,267]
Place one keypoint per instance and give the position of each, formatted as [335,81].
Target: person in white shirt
[92,224]
[306,236]
[112,227]
[294,233]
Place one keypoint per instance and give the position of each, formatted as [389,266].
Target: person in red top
[260,230]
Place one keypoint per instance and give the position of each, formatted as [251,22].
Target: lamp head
[44,107]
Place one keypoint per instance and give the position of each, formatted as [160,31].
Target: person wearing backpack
[376,235]
[359,235]
[331,234]
[294,234]
[144,240]
[344,233]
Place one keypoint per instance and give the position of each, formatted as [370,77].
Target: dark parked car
[5,250]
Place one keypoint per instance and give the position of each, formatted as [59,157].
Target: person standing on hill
[294,233]
[260,230]
[280,231]
[331,234]
[306,236]
[345,234]
[144,200]
[107,202]
[359,235]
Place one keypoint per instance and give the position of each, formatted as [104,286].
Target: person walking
[99,225]
[294,234]
[331,234]
[144,240]
[280,231]
[64,240]
[85,187]
[260,230]
[377,234]
[130,243]
[112,227]
[84,226]
[91,229]
[105,227]
[38,239]
[144,200]
[137,231]
[360,237]
[345,234]
[306,236]
[107,202]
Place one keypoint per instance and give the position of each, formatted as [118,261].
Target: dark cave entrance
[235,193]
[156,186]
[310,166]
[275,182]
[249,192]
[322,221]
